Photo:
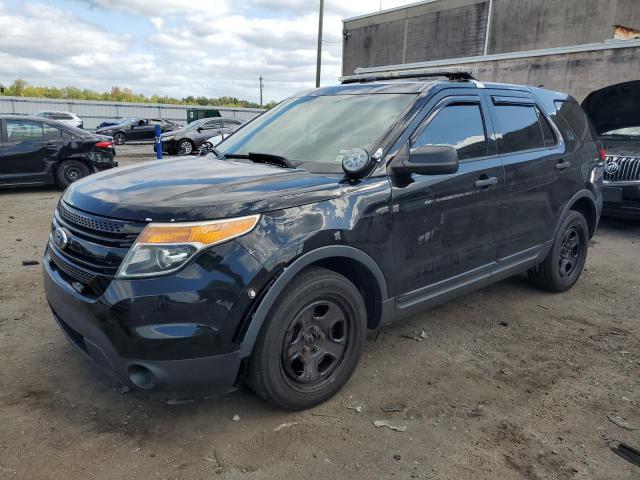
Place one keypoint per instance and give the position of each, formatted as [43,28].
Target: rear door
[27,156]
[445,226]
[538,177]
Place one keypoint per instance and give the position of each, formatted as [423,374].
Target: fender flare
[330,251]
[581,194]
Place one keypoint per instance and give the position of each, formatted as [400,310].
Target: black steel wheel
[315,344]
[563,265]
[311,341]
[70,171]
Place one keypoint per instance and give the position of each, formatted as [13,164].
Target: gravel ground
[507,382]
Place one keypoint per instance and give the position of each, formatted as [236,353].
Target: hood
[614,107]
[200,188]
[176,130]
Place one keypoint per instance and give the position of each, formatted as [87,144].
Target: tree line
[21,88]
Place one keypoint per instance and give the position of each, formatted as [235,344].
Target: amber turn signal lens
[205,233]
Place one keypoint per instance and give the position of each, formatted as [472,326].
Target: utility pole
[319,62]
[261,86]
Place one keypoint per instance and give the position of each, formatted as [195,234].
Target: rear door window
[520,128]
[211,124]
[457,125]
[24,131]
[51,133]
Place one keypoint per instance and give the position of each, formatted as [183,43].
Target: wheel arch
[585,203]
[351,262]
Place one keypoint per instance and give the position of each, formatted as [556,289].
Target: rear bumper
[622,200]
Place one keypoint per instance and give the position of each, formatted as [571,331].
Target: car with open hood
[342,209]
[615,114]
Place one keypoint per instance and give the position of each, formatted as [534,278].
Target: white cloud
[204,47]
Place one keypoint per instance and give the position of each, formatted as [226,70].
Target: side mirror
[426,160]
[199,129]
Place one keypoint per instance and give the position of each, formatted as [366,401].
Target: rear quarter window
[573,114]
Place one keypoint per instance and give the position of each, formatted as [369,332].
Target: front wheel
[70,171]
[565,262]
[185,147]
[311,341]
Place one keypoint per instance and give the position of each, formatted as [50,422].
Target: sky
[175,47]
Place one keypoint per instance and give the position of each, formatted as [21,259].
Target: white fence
[94,112]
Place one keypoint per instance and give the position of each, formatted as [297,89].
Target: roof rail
[380,73]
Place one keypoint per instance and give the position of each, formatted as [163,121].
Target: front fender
[276,288]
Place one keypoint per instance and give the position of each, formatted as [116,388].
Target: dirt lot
[508,382]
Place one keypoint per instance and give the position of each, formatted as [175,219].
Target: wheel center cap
[309,340]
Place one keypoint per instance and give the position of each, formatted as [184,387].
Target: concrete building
[576,46]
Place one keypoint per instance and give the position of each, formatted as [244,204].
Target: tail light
[601,151]
[104,144]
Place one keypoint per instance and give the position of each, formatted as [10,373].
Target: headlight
[165,247]
[169,137]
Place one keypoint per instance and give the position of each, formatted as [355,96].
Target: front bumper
[168,147]
[171,332]
[622,200]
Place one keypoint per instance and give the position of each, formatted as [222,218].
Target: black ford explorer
[342,209]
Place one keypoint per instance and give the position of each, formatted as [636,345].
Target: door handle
[562,165]
[51,146]
[485,182]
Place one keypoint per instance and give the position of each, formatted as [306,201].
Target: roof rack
[373,74]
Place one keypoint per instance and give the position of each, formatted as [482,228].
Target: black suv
[35,151]
[340,210]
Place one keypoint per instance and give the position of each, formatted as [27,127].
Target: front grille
[66,267]
[97,245]
[628,169]
[89,222]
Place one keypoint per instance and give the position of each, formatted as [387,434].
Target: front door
[445,225]
[141,130]
[26,154]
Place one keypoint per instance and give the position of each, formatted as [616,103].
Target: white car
[67,118]
[216,139]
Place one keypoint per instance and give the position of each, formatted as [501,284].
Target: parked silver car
[187,139]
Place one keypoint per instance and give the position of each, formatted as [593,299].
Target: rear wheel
[119,138]
[565,262]
[311,341]
[70,171]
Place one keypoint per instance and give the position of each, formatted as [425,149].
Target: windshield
[196,123]
[623,132]
[312,131]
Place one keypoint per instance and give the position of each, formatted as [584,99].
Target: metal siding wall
[457,28]
[93,113]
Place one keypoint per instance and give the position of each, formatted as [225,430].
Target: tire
[185,147]
[70,171]
[311,341]
[563,265]
[119,138]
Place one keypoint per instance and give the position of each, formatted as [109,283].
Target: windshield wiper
[262,158]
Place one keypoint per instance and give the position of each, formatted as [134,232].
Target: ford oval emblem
[60,238]
[611,168]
